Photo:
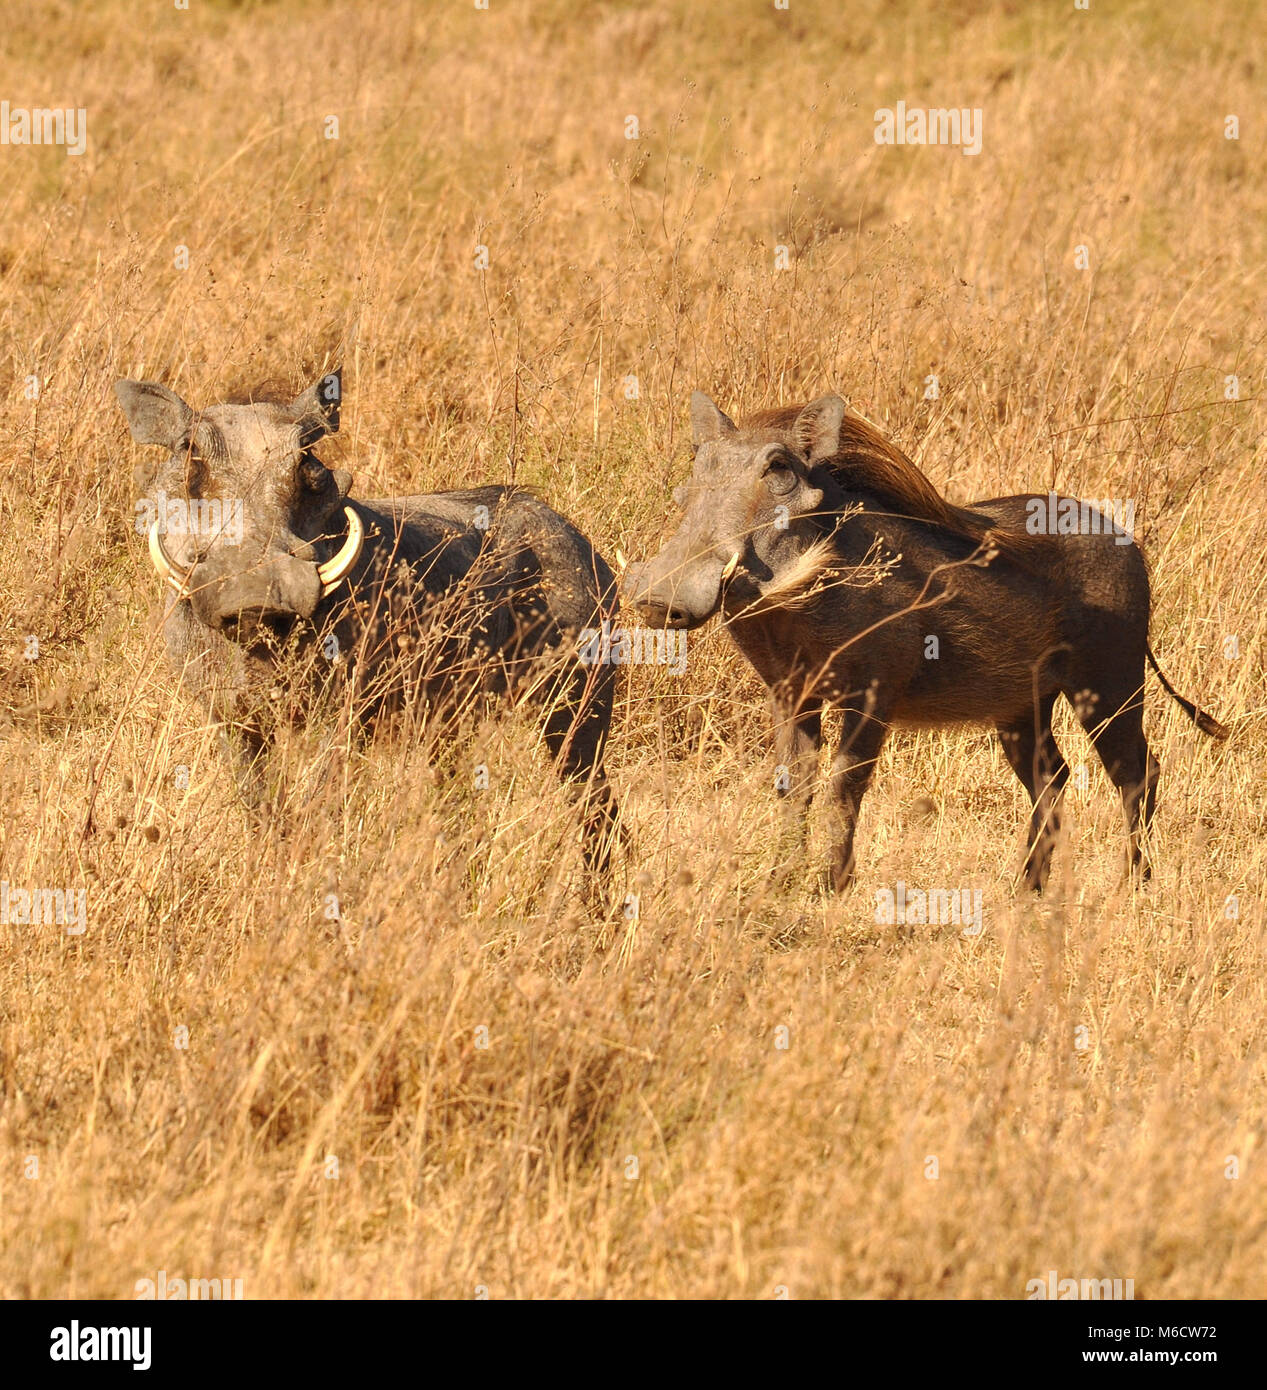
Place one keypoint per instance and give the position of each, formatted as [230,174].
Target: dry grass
[1094,1153]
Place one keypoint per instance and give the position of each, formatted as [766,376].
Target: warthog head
[261,533]
[751,513]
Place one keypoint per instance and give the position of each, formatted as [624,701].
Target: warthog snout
[674,595]
[273,594]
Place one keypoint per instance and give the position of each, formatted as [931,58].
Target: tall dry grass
[328,1123]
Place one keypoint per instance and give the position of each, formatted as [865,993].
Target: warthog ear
[155,415]
[817,428]
[320,403]
[707,422]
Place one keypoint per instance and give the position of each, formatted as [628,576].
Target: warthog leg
[576,729]
[1030,747]
[798,736]
[246,752]
[862,736]
[1123,749]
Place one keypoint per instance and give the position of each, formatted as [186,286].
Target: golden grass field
[328,1125]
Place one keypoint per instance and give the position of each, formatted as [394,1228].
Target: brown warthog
[846,579]
[403,604]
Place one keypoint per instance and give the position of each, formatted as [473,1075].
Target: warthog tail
[1205,722]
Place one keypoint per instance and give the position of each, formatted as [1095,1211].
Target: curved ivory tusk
[621,563]
[731,566]
[162,563]
[332,571]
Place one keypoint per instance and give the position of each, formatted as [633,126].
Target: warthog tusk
[731,566]
[332,571]
[162,563]
[621,563]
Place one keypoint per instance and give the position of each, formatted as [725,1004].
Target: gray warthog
[409,603]
[846,579]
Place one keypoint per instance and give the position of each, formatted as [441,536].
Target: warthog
[409,603]
[847,579]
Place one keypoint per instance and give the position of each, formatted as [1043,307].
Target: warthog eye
[314,474]
[780,477]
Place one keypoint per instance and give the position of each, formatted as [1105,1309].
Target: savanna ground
[218,1079]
